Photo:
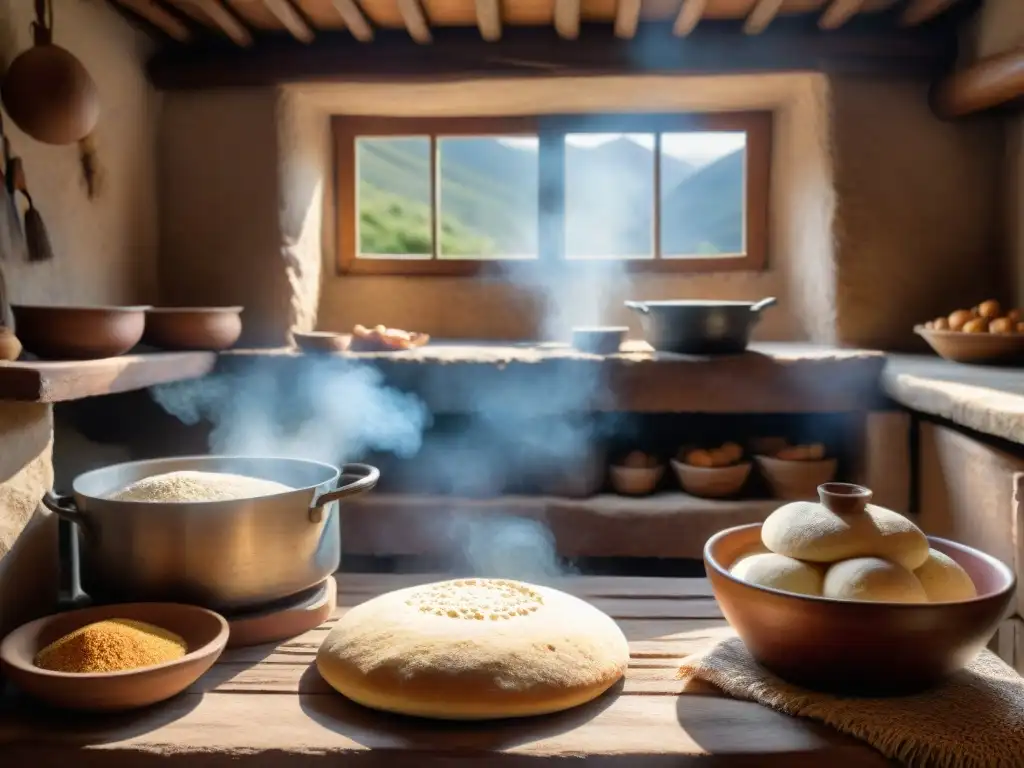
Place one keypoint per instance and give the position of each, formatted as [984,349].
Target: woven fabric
[974,720]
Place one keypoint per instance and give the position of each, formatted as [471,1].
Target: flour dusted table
[266,707]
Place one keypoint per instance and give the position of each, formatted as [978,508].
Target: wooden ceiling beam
[354,19]
[225,20]
[761,16]
[627,17]
[920,11]
[839,12]
[990,82]
[415,20]
[488,19]
[567,19]
[155,14]
[690,14]
[873,48]
[290,19]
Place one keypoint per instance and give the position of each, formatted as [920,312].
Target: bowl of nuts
[637,474]
[984,334]
[715,473]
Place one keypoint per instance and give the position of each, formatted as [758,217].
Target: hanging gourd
[46,91]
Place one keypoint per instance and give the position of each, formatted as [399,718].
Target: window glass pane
[609,195]
[702,194]
[488,197]
[393,197]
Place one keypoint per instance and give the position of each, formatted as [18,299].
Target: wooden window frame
[551,129]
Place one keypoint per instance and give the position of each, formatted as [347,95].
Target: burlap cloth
[974,719]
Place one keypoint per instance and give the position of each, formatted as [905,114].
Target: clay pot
[50,96]
[79,333]
[193,328]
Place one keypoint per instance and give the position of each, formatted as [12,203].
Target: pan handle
[65,507]
[639,306]
[764,304]
[367,478]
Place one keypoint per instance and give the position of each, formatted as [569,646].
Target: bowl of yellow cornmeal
[113,657]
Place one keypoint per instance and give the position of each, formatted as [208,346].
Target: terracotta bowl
[322,341]
[636,481]
[796,480]
[193,328]
[78,333]
[858,648]
[979,348]
[205,632]
[599,340]
[712,482]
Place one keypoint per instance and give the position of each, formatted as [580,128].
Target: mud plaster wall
[106,252]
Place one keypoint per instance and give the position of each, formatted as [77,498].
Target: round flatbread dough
[871,579]
[944,579]
[778,572]
[473,649]
[810,531]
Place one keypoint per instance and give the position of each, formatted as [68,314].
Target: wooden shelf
[55,382]
[670,525]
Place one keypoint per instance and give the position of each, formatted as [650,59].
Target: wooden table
[267,707]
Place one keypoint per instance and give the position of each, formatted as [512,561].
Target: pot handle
[367,479]
[764,304]
[65,507]
[640,306]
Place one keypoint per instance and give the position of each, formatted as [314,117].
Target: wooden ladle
[47,92]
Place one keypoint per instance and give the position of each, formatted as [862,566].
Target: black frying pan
[699,327]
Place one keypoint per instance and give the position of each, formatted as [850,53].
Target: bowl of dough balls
[845,596]
[796,471]
[714,473]
[987,333]
[637,475]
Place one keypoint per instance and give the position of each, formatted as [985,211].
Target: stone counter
[986,399]
[456,377]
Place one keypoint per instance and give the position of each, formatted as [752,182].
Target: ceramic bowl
[205,632]
[979,348]
[601,340]
[857,648]
[636,481]
[193,328]
[322,341]
[796,480]
[78,333]
[712,482]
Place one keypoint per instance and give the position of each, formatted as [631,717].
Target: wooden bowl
[78,333]
[712,482]
[322,341]
[193,328]
[205,632]
[636,481]
[796,480]
[599,340]
[977,348]
[858,648]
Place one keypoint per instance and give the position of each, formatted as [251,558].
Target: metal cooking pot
[224,555]
[699,327]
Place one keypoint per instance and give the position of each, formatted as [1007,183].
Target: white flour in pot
[187,486]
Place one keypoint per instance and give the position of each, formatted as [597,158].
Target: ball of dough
[809,531]
[699,458]
[778,572]
[872,579]
[944,580]
[473,649]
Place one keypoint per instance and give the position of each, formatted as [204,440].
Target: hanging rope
[42,27]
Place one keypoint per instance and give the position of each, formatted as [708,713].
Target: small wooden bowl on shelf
[78,333]
[794,473]
[599,340]
[205,632]
[715,474]
[322,342]
[637,475]
[210,329]
[858,648]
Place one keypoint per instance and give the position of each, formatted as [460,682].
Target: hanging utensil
[37,239]
[46,91]
[12,239]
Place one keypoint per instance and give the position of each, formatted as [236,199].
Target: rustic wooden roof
[245,21]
